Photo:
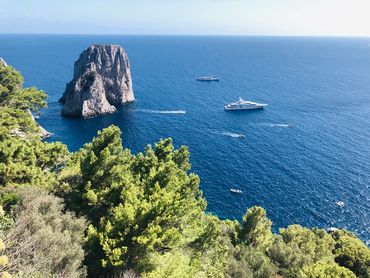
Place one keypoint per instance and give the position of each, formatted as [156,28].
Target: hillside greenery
[105,212]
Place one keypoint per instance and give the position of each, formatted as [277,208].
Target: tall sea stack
[101,81]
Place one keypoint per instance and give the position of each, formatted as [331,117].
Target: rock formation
[2,62]
[101,81]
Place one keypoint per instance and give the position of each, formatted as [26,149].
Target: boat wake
[161,111]
[277,125]
[229,134]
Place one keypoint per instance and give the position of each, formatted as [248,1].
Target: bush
[322,270]
[352,253]
[43,240]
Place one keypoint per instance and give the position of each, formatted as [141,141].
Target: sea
[309,149]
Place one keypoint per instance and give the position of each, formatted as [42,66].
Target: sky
[188,17]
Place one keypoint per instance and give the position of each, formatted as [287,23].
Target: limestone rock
[101,81]
[2,62]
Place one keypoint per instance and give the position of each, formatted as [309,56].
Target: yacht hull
[207,80]
[244,108]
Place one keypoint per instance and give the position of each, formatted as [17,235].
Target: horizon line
[191,35]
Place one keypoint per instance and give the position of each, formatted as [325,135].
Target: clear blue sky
[213,17]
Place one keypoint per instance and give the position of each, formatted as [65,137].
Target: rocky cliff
[2,62]
[101,81]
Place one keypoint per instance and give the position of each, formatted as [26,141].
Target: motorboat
[242,104]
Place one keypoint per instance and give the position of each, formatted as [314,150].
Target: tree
[13,95]
[322,270]
[297,247]
[138,205]
[287,257]
[30,162]
[16,104]
[249,262]
[171,264]
[10,81]
[352,253]
[256,228]
[24,159]
[210,250]
[315,244]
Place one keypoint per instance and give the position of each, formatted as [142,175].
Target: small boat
[236,191]
[242,104]
[207,78]
[340,204]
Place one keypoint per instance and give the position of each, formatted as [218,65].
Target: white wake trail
[228,134]
[161,111]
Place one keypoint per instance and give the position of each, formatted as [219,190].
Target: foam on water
[276,125]
[229,134]
[161,111]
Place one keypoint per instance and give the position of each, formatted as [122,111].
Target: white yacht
[207,78]
[233,190]
[244,105]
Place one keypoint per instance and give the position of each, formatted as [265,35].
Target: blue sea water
[307,150]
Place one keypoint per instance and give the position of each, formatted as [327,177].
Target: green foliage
[247,261]
[286,257]
[30,162]
[256,228]
[211,247]
[237,268]
[5,223]
[8,200]
[16,104]
[27,99]
[141,207]
[297,247]
[352,253]
[322,270]
[24,159]
[170,264]
[13,95]
[10,81]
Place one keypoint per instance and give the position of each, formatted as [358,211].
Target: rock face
[2,62]
[101,81]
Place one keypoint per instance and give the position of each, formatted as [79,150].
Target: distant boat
[207,78]
[244,105]
[340,204]
[236,191]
